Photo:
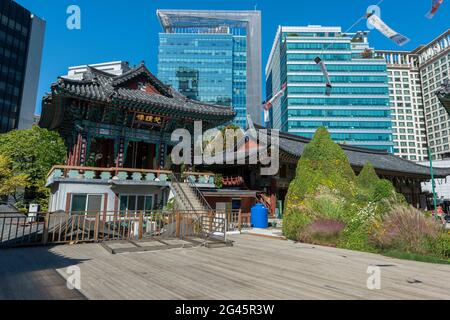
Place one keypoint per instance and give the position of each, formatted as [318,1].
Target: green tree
[10,181]
[33,152]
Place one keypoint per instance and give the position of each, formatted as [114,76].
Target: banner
[325,74]
[434,8]
[387,31]
[275,98]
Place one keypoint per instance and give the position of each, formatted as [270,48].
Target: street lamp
[433,185]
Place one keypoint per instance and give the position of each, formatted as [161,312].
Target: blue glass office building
[357,112]
[208,56]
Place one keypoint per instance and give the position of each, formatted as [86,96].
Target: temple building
[117,125]
[122,120]
[406,176]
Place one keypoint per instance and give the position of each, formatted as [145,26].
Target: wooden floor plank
[254,268]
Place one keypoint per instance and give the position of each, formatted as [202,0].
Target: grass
[414,256]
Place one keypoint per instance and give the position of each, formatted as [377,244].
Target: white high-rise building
[414,78]
[407,110]
[434,67]
[419,120]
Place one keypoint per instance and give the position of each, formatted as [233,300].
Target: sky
[128,30]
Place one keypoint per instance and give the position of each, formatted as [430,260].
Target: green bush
[356,239]
[323,163]
[327,204]
[407,229]
[440,246]
[367,178]
[293,223]
[372,187]
[322,231]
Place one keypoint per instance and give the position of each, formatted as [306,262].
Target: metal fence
[57,228]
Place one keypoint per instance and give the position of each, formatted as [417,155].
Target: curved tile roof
[382,161]
[101,86]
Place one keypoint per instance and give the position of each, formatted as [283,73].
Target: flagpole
[433,185]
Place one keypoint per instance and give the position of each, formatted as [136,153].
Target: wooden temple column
[77,156]
[119,151]
[162,155]
[161,151]
[84,150]
[273,196]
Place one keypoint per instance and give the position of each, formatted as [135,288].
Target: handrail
[198,194]
[189,173]
[175,181]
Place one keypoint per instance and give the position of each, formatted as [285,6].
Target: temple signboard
[148,119]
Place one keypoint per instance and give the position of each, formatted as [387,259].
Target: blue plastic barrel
[259,216]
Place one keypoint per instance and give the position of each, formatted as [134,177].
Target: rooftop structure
[214,57]
[114,67]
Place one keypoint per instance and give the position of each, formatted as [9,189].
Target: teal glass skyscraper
[357,112]
[209,56]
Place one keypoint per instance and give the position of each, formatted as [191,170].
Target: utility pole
[433,185]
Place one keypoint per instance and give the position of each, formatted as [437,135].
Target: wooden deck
[254,268]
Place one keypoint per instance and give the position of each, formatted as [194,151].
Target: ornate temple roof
[384,163]
[121,90]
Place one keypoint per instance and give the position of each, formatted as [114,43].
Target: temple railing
[116,174]
[96,226]
[200,179]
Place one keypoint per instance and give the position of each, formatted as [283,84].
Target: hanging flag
[386,30]
[325,74]
[434,8]
[251,130]
[275,98]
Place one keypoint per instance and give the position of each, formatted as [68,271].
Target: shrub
[372,187]
[359,219]
[323,163]
[326,203]
[407,229]
[356,239]
[383,190]
[367,178]
[322,231]
[293,223]
[440,246]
